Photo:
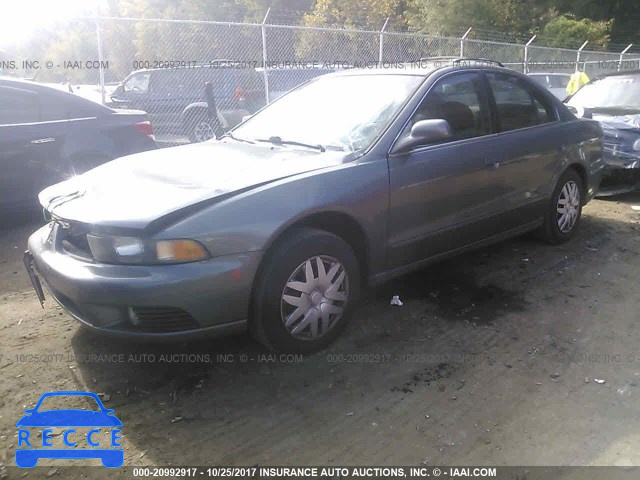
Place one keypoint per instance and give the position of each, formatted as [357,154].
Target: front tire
[565,210]
[306,292]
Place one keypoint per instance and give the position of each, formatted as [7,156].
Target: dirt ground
[492,360]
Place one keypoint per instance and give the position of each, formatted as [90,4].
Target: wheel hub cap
[203,132]
[314,297]
[568,206]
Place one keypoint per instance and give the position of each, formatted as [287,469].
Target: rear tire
[564,210]
[305,293]
[200,127]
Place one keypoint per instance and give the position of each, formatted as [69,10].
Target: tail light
[238,94]
[145,128]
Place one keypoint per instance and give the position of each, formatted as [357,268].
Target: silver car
[350,180]
[556,83]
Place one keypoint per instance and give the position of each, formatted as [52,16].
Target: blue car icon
[68,419]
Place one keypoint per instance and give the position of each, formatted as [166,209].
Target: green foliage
[567,30]
[452,17]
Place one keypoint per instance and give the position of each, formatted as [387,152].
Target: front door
[443,196]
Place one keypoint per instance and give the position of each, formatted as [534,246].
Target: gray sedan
[352,179]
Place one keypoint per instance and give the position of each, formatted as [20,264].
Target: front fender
[255,219]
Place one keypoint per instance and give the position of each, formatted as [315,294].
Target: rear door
[443,195]
[532,142]
[29,148]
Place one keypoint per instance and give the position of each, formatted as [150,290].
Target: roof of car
[423,66]
[45,89]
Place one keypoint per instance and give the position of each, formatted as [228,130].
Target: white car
[555,82]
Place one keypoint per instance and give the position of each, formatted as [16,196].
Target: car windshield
[346,112]
[63,402]
[619,91]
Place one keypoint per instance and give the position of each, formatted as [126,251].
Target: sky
[20,18]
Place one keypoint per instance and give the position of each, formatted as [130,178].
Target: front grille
[162,319]
[77,245]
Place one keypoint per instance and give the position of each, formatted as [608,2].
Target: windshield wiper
[279,141]
[237,139]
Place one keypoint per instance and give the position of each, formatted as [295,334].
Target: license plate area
[27,259]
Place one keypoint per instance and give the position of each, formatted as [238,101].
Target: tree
[453,17]
[567,30]
[368,14]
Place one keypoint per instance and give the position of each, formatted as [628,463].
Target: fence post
[100,60]
[462,41]
[622,54]
[579,52]
[526,54]
[384,27]
[264,56]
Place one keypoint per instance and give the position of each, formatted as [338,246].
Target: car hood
[133,191]
[622,122]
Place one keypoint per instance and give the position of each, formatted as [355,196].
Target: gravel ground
[494,359]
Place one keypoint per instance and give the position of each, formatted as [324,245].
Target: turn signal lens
[180,251]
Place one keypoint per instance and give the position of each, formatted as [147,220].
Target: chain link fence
[162,66]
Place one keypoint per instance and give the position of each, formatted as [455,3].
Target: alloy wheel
[568,207]
[203,132]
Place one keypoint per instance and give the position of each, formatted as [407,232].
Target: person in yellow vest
[578,80]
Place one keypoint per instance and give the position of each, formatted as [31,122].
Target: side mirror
[424,132]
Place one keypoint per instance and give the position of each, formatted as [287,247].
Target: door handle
[43,140]
[490,162]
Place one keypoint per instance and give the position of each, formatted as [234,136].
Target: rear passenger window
[18,106]
[460,100]
[519,106]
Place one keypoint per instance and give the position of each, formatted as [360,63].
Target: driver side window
[460,100]
[139,83]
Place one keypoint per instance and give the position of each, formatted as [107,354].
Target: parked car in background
[47,135]
[175,98]
[356,177]
[556,83]
[283,80]
[614,101]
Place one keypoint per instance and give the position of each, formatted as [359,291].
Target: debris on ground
[599,381]
[176,419]
[396,301]
[555,377]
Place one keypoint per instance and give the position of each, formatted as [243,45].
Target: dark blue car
[48,135]
[67,418]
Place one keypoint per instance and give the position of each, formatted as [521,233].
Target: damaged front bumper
[621,174]
[159,302]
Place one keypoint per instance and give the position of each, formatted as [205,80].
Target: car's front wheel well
[340,225]
[343,226]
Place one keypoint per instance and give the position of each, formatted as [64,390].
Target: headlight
[636,145]
[131,250]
